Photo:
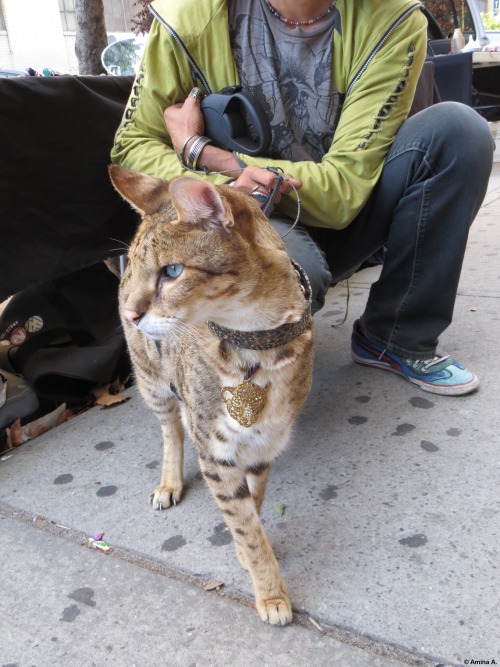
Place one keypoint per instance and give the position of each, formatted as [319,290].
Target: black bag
[65,336]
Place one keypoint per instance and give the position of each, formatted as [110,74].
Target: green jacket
[376,64]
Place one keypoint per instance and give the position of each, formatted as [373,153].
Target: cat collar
[267,339]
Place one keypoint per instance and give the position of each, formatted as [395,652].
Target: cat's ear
[199,202]
[146,193]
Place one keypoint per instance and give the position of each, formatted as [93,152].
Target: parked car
[123,54]
[493,36]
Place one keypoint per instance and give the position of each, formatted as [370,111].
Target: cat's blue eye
[173,270]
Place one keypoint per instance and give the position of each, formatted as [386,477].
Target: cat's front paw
[164,497]
[276,611]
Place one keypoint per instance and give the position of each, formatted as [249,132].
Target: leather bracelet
[181,152]
[195,151]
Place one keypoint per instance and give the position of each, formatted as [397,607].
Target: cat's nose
[132,316]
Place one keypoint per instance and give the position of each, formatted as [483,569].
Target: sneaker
[441,375]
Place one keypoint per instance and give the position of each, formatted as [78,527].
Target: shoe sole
[455,390]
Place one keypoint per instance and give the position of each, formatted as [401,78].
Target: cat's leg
[232,494]
[169,491]
[256,477]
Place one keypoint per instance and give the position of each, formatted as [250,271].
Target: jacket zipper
[197,73]
[380,45]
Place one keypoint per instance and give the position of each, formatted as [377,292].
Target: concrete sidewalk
[389,539]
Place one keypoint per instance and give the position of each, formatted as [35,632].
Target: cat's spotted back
[221,340]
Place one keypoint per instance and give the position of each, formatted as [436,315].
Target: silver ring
[258,191]
[196,93]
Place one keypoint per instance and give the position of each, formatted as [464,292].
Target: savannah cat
[218,325]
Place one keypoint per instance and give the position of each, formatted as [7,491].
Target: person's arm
[142,142]
[184,122]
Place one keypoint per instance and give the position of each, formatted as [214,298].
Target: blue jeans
[433,182]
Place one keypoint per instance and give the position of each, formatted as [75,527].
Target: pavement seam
[301,618]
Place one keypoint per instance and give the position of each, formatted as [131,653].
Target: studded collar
[267,339]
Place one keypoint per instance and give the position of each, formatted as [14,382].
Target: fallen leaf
[279,509]
[15,435]
[213,586]
[18,434]
[107,400]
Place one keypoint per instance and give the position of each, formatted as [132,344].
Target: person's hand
[184,120]
[257,181]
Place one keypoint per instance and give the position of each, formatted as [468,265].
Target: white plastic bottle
[457,41]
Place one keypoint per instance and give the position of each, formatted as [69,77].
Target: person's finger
[289,180]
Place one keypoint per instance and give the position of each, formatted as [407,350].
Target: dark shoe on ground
[440,375]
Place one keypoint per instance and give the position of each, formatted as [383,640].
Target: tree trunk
[91,36]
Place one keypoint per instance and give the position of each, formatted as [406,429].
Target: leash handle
[268,205]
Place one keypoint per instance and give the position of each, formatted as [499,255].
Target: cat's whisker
[196,332]
[123,245]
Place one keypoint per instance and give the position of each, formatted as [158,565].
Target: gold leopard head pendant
[244,402]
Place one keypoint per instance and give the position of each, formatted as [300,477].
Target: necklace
[283,19]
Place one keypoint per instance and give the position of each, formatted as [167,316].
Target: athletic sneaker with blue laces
[440,375]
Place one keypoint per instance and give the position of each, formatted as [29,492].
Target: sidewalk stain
[417,540]
[419,402]
[173,543]
[429,446]
[221,536]
[329,493]
[63,479]
[357,419]
[403,429]
[84,595]
[107,491]
[70,613]
[103,446]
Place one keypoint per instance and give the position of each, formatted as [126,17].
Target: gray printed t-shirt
[289,72]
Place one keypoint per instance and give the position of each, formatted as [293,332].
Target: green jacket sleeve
[142,142]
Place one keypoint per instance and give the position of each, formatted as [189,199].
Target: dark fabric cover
[453,75]
[58,209]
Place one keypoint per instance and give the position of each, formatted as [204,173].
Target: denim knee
[303,250]
[460,131]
